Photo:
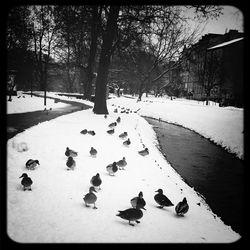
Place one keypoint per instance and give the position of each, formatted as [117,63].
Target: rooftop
[226,43]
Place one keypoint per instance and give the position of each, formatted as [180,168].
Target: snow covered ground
[222,125]
[26,103]
[54,210]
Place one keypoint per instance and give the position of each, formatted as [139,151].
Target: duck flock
[132,214]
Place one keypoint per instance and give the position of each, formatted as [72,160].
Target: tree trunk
[207,96]
[100,106]
[140,91]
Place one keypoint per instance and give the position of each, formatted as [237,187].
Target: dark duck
[118,120]
[131,214]
[112,168]
[84,131]
[122,163]
[70,152]
[31,164]
[123,135]
[71,163]
[26,182]
[138,201]
[91,132]
[93,152]
[162,200]
[96,181]
[127,142]
[144,152]
[90,197]
[182,207]
[112,125]
[111,131]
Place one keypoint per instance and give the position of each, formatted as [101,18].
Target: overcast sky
[232,18]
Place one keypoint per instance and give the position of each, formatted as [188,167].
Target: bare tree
[100,106]
[43,35]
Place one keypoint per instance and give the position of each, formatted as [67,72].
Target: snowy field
[54,211]
[26,103]
[222,125]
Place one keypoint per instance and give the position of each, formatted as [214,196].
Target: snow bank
[54,211]
[26,103]
[222,125]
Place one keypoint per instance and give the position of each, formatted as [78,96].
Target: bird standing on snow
[111,131]
[90,197]
[112,168]
[91,132]
[138,201]
[112,125]
[144,152]
[123,135]
[162,200]
[131,214]
[182,207]
[26,182]
[71,163]
[31,164]
[118,119]
[96,181]
[122,163]
[70,152]
[93,152]
[84,131]
[127,142]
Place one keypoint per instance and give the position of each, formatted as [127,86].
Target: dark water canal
[214,173]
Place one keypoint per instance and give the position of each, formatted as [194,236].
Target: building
[208,71]
[231,87]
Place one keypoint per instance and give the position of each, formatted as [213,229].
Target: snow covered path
[54,210]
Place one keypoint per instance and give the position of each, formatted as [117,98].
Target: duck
[112,125]
[91,132]
[31,164]
[111,131]
[112,168]
[122,163]
[182,207]
[131,214]
[115,110]
[96,181]
[71,163]
[162,200]
[93,152]
[84,131]
[118,120]
[90,197]
[123,135]
[26,182]
[144,152]
[138,201]
[127,142]
[70,152]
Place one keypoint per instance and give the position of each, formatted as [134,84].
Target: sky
[232,18]
[54,210]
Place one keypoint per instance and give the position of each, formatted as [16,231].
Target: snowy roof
[225,43]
